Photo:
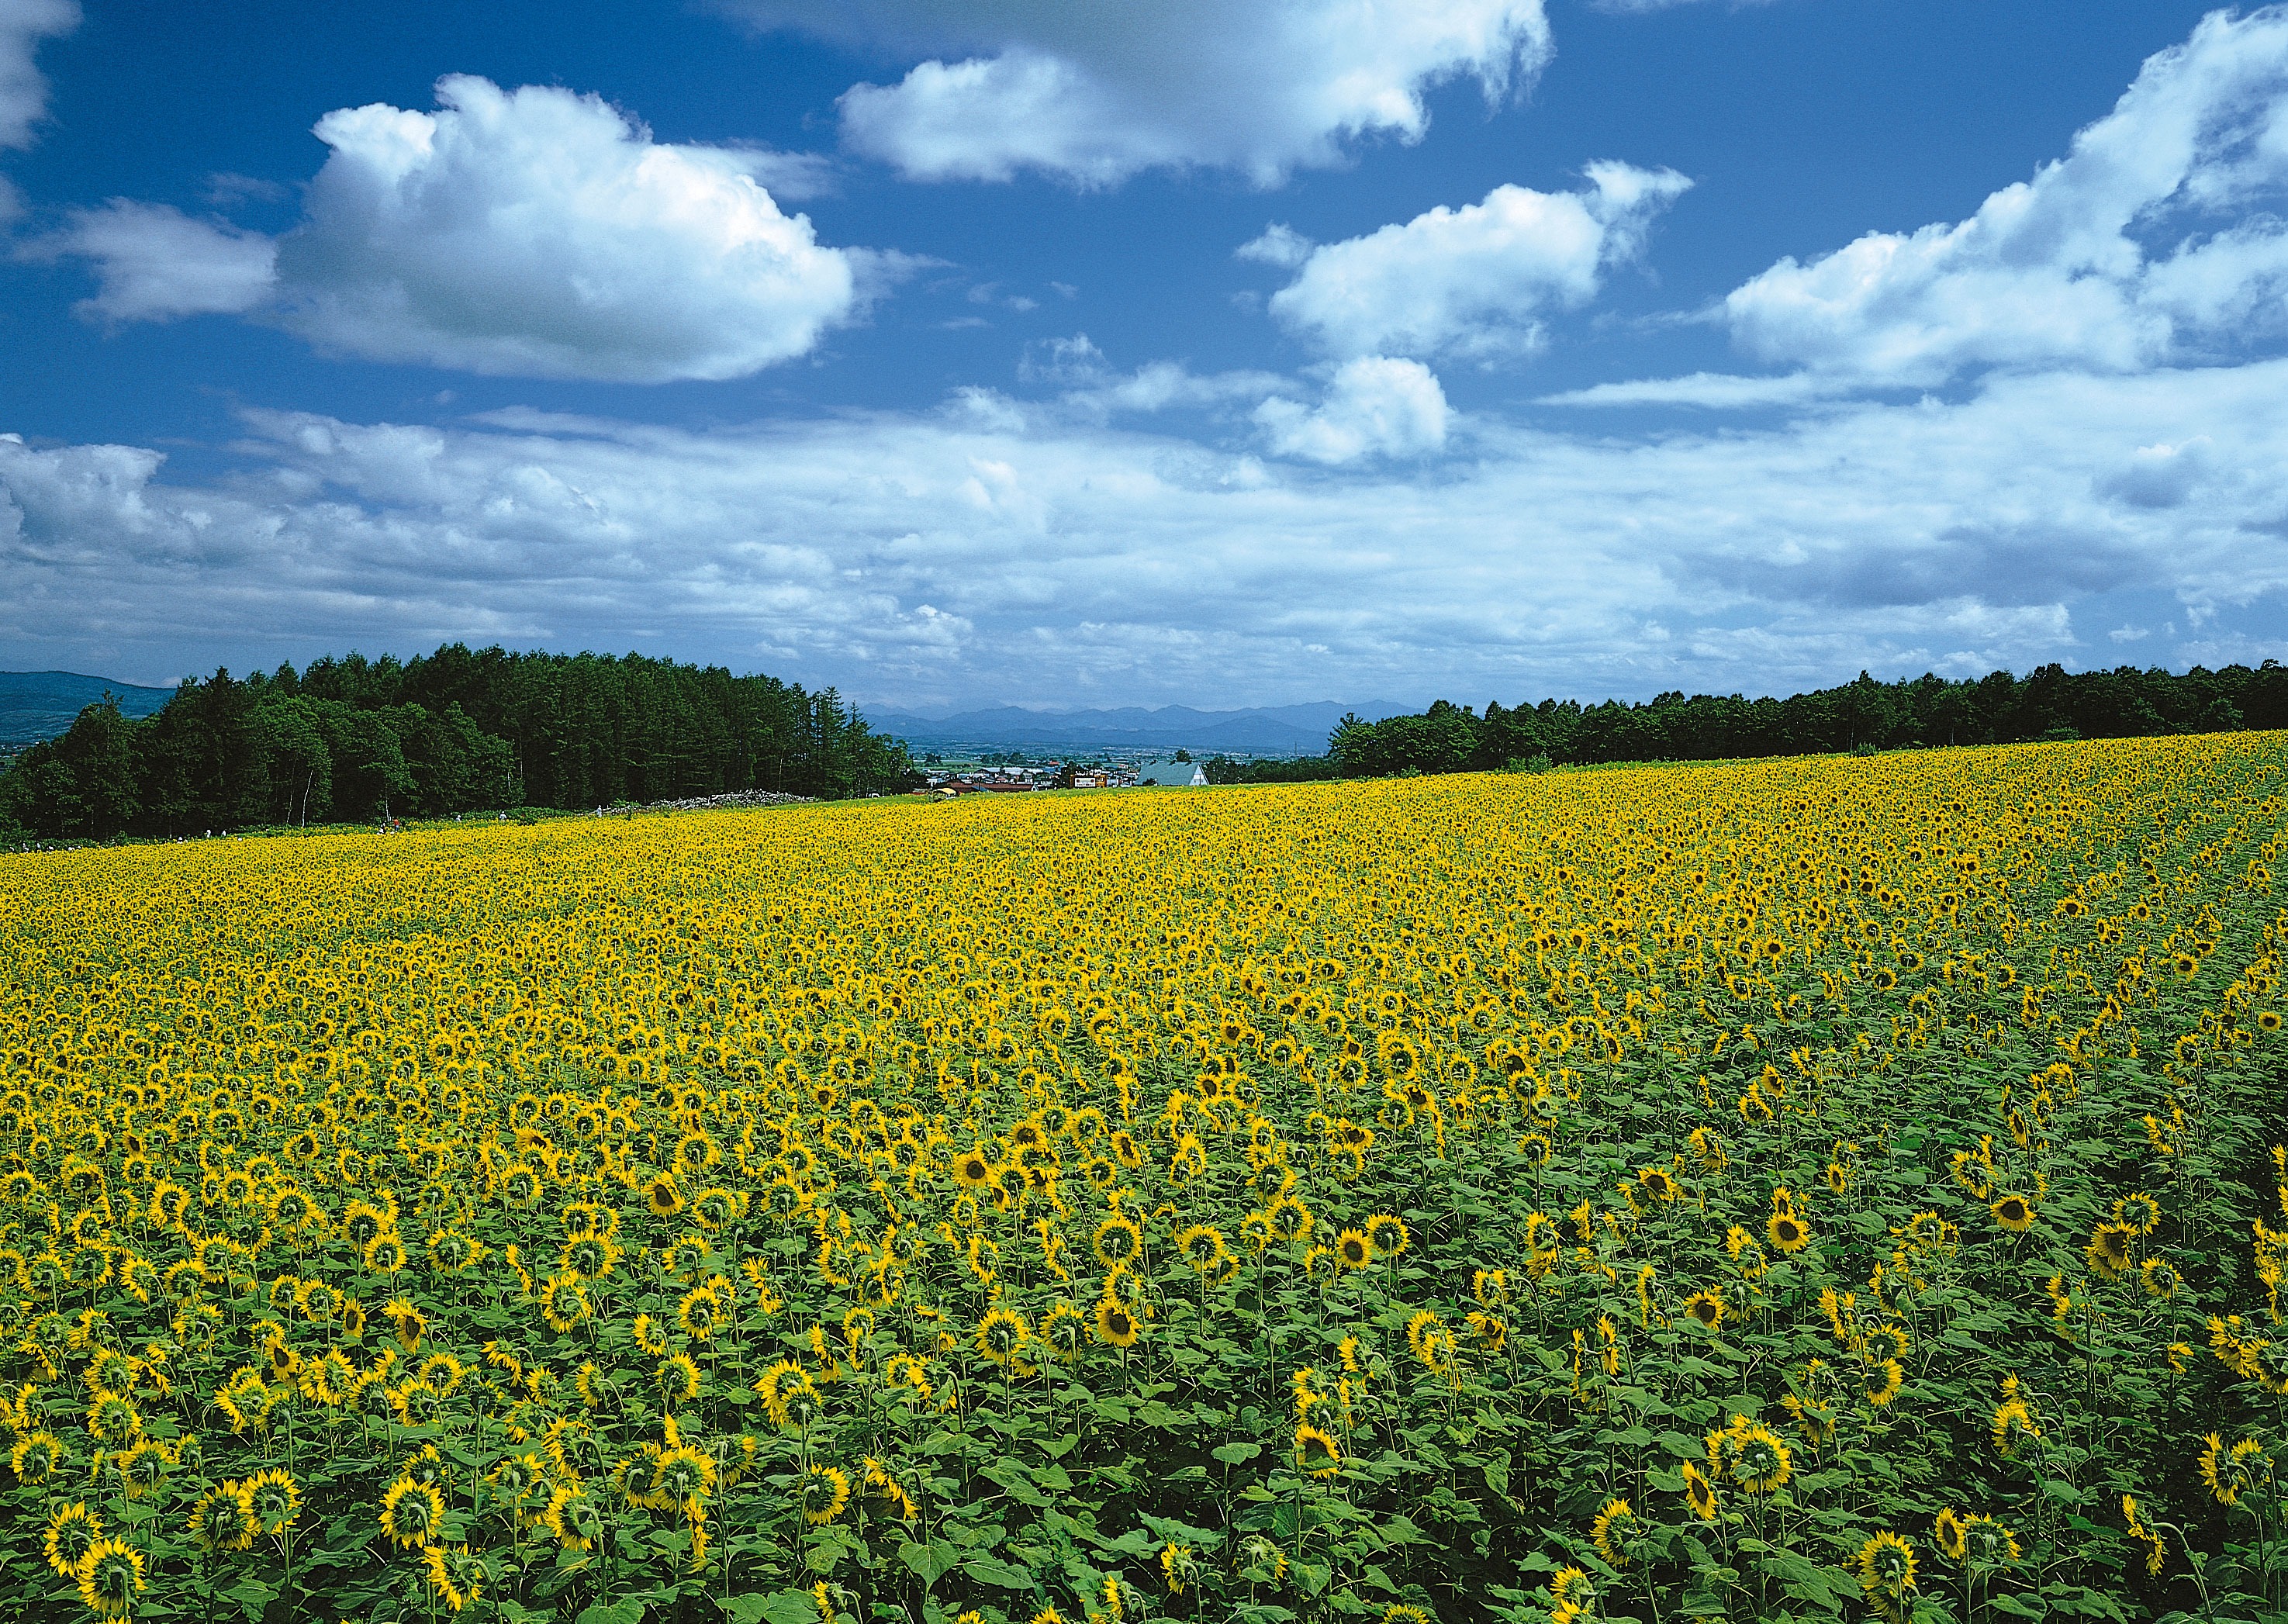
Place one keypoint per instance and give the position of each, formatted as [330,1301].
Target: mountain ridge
[36,705]
[1299,730]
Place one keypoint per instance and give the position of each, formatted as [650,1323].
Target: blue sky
[1056,353]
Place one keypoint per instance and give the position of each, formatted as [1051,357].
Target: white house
[1183,774]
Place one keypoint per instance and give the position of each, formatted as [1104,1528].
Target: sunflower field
[1832,1188]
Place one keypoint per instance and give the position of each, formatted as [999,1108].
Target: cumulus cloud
[23,91]
[2147,242]
[1093,94]
[533,233]
[996,554]
[1375,406]
[1280,245]
[538,233]
[153,263]
[1473,281]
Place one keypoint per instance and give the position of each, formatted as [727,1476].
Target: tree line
[1863,714]
[354,739]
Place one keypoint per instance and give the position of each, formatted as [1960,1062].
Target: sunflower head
[1987,1544]
[1699,1493]
[1616,1531]
[1316,1455]
[110,1576]
[1116,1323]
[1886,1567]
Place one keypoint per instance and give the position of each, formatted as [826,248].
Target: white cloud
[1375,406]
[995,552]
[23,91]
[2109,259]
[1720,390]
[153,263]
[1280,245]
[533,233]
[1092,390]
[1095,94]
[1475,281]
[540,234]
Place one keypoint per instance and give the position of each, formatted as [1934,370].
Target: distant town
[1180,772]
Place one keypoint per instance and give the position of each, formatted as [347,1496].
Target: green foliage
[1861,716]
[354,740]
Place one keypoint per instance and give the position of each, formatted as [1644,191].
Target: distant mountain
[36,705]
[1284,730]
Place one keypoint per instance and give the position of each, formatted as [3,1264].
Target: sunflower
[110,1576]
[1886,1567]
[1289,1218]
[412,1513]
[1788,1233]
[274,1497]
[1699,1493]
[223,1519]
[143,1467]
[1353,1249]
[678,1475]
[1882,1341]
[2107,1251]
[71,1534]
[459,1574]
[2139,1214]
[2015,1212]
[789,1395]
[1752,1453]
[701,1312]
[661,1197]
[1705,1308]
[1987,1544]
[2012,1423]
[1203,1249]
[1002,1335]
[1572,1595]
[1387,1234]
[574,1518]
[677,1379]
[1116,1323]
[2156,1552]
[1118,1242]
[564,1303]
[2231,1473]
[1614,1531]
[1889,1378]
[825,1491]
[1948,1532]
[1316,1455]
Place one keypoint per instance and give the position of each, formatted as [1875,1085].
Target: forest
[2050,703]
[358,740]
